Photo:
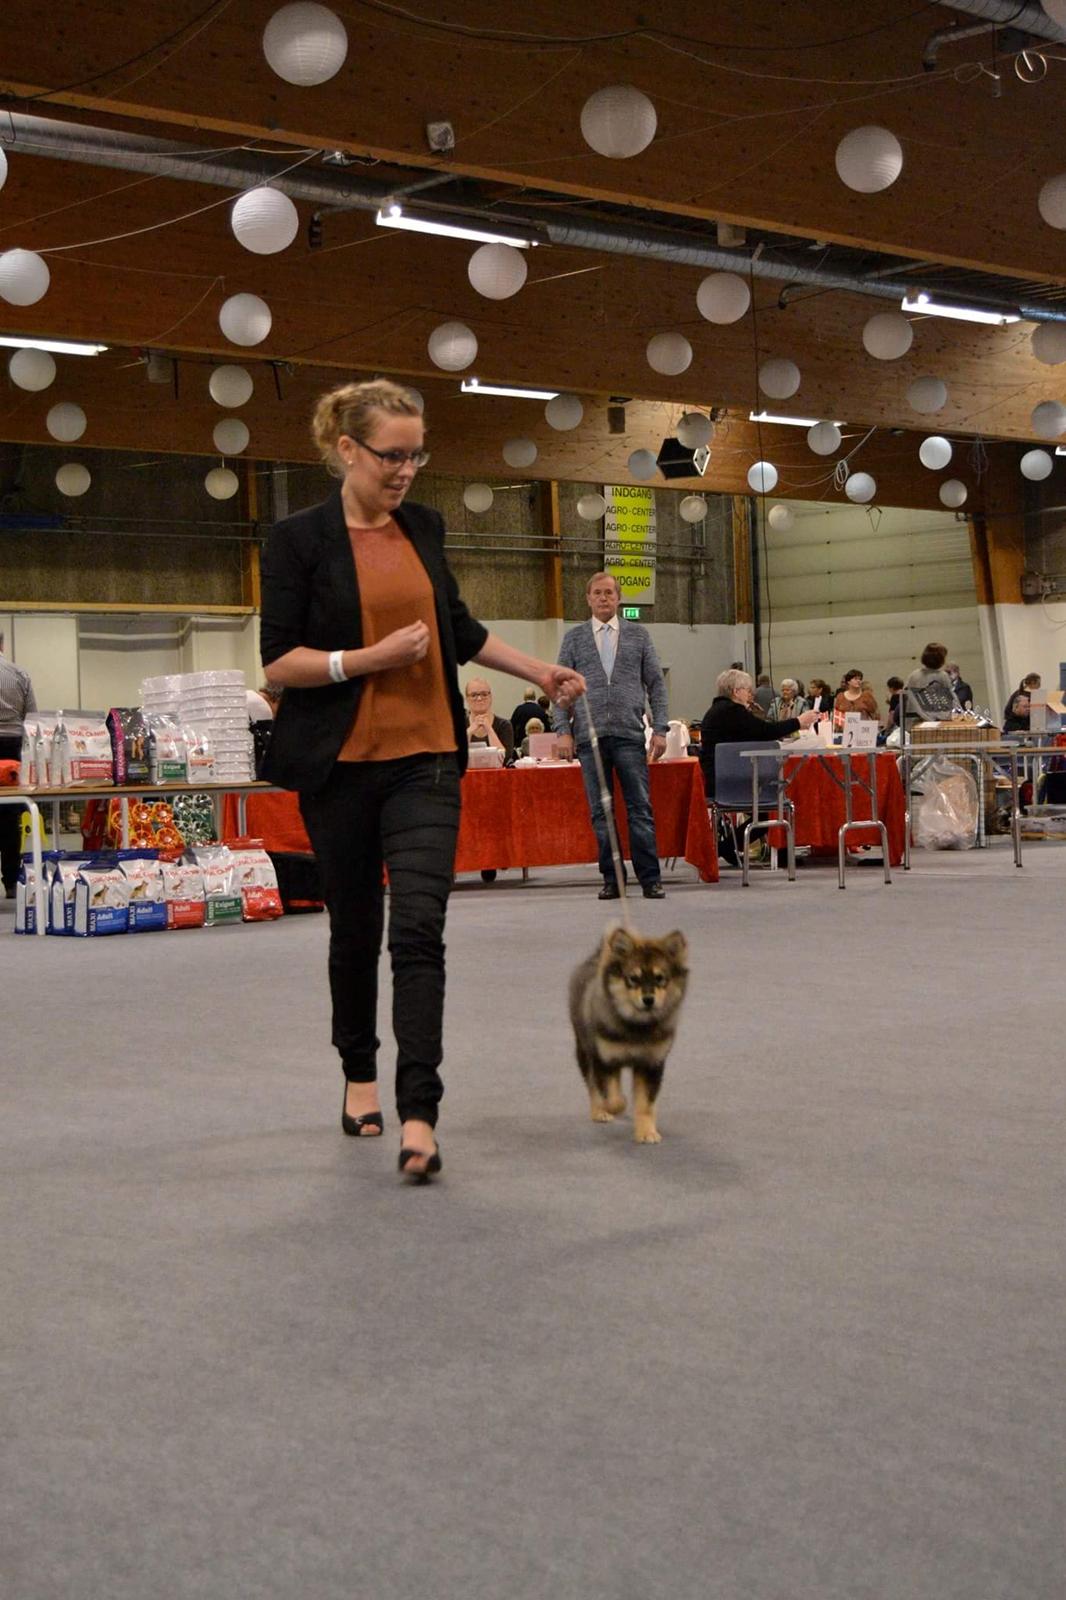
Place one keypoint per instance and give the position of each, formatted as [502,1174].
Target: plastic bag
[944,810]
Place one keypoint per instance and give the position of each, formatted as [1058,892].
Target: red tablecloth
[528,817]
[819,803]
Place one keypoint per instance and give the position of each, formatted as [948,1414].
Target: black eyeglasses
[398,458]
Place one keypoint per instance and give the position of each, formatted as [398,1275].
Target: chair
[733,792]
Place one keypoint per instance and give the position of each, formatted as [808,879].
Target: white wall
[1024,638]
[46,646]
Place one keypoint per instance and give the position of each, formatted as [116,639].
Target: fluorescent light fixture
[1060,449]
[394,216]
[791,422]
[473,386]
[60,347]
[936,308]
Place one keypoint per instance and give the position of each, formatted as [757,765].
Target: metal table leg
[1015,809]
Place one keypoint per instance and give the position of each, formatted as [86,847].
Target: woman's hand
[402,648]
[562,685]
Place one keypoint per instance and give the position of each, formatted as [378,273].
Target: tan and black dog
[625,1001]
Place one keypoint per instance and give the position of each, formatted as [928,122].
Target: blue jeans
[628,759]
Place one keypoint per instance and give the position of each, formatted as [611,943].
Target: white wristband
[336,667]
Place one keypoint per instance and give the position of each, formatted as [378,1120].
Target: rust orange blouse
[403,711]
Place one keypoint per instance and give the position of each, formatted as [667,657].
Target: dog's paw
[647,1136]
[601,1114]
[616,1105]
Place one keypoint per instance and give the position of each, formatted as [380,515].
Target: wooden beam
[553,560]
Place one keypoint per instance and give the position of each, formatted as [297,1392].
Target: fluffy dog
[625,1002]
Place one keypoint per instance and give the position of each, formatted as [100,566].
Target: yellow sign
[629,541]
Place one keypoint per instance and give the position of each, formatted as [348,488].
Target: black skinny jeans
[403,815]
[10,821]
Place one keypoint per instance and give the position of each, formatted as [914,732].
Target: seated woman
[789,703]
[854,695]
[1016,713]
[483,727]
[533,725]
[819,695]
[731,719]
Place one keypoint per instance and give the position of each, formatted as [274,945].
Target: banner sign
[629,541]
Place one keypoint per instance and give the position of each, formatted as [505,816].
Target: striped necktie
[607,649]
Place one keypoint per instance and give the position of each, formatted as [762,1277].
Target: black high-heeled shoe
[421,1174]
[353,1126]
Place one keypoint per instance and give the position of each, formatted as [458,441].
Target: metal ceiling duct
[1005,13]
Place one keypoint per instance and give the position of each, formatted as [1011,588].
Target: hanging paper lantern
[618,121]
[66,422]
[245,319]
[564,411]
[693,508]
[24,277]
[642,464]
[779,378]
[477,497]
[264,220]
[1048,419]
[860,487]
[452,346]
[32,369]
[73,479]
[927,395]
[1036,465]
[723,297]
[934,452]
[669,353]
[887,336]
[953,493]
[230,386]
[824,438]
[780,518]
[231,436]
[1049,343]
[694,430]
[3,169]
[497,270]
[591,507]
[762,478]
[305,44]
[221,483]
[869,159]
[520,452]
[1051,201]
[416,398]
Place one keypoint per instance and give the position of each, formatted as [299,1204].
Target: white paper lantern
[32,369]
[231,436]
[618,121]
[452,346]
[694,430]
[642,464]
[520,452]
[1036,465]
[779,378]
[3,169]
[723,297]
[934,452]
[264,221]
[869,159]
[669,353]
[762,478]
[693,508]
[887,336]
[305,44]
[221,483]
[416,398]
[564,411]
[24,277]
[1048,419]
[1051,201]
[927,395]
[860,487]
[66,422]
[497,270]
[73,479]
[824,438]
[590,507]
[245,319]
[1049,343]
[477,497]
[953,493]
[230,386]
[780,518]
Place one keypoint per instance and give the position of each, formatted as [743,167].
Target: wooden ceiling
[751,103]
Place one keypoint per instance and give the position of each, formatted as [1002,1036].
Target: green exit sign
[631,613]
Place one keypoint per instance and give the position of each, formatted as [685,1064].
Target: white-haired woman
[789,701]
[730,719]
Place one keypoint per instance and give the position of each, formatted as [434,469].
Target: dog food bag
[47,758]
[183,887]
[129,743]
[143,871]
[168,759]
[256,881]
[26,891]
[28,761]
[87,758]
[199,744]
[222,896]
[101,900]
[63,881]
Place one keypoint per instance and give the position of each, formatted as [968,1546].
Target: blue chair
[733,792]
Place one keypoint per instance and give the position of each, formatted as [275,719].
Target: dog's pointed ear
[619,942]
[676,946]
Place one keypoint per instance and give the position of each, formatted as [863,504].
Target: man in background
[16,699]
[963,692]
[521,715]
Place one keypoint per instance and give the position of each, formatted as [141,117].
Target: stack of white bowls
[161,697]
[215,704]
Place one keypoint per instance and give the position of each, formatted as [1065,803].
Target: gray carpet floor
[809,1348]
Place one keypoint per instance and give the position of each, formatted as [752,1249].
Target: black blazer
[311,597]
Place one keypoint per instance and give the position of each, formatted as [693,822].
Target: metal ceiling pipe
[1006,13]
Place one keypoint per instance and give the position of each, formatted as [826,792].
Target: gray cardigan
[617,705]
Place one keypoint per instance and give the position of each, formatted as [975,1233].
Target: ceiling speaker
[676,461]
